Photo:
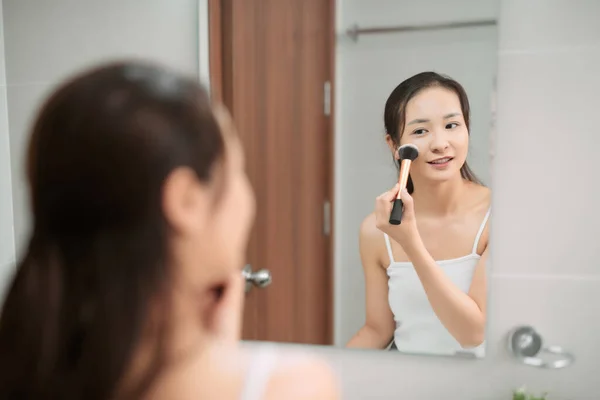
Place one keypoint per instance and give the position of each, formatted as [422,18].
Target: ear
[184,200]
[392,145]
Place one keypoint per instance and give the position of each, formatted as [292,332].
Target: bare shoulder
[222,373]
[301,378]
[369,233]
[217,372]
[486,193]
[372,242]
[486,198]
[481,196]
[368,225]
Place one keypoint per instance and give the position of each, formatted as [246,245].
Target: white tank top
[263,364]
[418,329]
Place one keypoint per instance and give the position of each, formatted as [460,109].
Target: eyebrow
[454,114]
[423,121]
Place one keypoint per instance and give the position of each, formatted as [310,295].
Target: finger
[227,321]
[391,194]
[384,205]
[407,202]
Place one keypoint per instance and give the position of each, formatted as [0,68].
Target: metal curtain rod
[354,31]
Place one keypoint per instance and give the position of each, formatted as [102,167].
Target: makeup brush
[407,154]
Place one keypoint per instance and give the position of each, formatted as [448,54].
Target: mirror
[310,108]
[307,82]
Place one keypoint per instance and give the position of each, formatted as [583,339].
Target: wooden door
[271,61]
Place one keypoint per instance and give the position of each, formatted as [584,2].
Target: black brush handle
[396,215]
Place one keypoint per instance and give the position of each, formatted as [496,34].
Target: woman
[425,278]
[131,284]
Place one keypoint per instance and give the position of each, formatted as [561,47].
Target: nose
[439,142]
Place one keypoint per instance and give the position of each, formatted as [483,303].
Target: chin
[442,176]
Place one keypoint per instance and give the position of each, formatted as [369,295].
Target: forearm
[369,338]
[458,312]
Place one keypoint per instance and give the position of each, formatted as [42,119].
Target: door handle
[260,278]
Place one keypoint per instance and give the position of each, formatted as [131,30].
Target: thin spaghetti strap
[480,232]
[259,373]
[389,247]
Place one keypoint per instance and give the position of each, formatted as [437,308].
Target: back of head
[100,150]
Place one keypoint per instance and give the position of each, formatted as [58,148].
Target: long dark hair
[101,148]
[395,110]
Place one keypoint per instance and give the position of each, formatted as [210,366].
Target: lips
[441,160]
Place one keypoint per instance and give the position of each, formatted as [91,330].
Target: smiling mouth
[441,160]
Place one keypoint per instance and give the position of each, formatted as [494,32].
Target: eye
[419,131]
[451,125]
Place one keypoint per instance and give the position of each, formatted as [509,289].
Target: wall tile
[7,243]
[2,63]
[546,107]
[565,312]
[540,25]
[49,39]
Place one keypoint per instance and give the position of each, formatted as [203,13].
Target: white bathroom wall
[367,71]
[7,240]
[545,269]
[47,40]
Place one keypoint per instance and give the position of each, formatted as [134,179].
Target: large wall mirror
[323,93]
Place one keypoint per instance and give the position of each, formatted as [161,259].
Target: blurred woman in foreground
[131,284]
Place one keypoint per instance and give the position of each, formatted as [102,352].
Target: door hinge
[327,98]
[326,218]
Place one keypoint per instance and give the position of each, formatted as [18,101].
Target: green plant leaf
[521,394]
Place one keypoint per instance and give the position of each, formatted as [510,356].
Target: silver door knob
[527,345]
[260,278]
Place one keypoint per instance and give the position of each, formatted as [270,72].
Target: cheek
[460,142]
[236,216]
[244,202]
[406,139]
[251,202]
[422,143]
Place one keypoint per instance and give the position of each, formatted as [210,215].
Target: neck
[187,322]
[438,198]
[178,334]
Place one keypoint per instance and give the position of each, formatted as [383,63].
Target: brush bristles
[408,152]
